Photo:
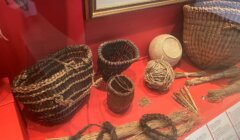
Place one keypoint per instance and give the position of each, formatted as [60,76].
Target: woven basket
[211,33]
[115,57]
[120,93]
[56,87]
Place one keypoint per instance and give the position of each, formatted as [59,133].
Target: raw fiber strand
[189,96]
[185,99]
[189,74]
[158,75]
[183,120]
[229,73]
[220,94]
[182,101]
[144,101]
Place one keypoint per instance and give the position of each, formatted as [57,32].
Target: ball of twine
[159,75]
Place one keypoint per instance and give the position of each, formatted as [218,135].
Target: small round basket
[115,57]
[120,93]
[56,87]
[211,33]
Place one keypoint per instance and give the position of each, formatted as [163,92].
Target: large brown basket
[116,56]
[56,87]
[211,33]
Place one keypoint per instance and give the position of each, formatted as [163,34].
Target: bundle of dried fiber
[189,74]
[185,99]
[183,120]
[231,72]
[220,94]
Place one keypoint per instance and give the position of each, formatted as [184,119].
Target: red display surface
[96,110]
[12,125]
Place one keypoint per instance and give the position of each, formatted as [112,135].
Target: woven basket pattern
[211,33]
[115,57]
[56,87]
[120,93]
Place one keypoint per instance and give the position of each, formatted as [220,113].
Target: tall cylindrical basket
[120,93]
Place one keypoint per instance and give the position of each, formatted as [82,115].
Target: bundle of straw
[189,74]
[183,120]
[229,73]
[220,94]
[185,99]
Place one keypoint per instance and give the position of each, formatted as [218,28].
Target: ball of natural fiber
[158,75]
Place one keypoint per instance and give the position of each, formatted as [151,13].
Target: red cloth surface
[96,110]
[11,126]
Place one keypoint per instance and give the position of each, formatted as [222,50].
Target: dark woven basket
[115,57]
[56,87]
[212,33]
[120,93]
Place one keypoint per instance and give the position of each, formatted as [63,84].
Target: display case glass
[136,69]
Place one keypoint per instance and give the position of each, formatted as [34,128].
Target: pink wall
[62,22]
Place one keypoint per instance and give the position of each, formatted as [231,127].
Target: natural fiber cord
[158,75]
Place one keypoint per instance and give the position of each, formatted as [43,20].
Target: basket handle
[68,65]
[122,84]
[230,25]
[60,100]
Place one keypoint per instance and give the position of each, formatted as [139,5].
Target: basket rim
[219,1]
[110,88]
[33,86]
[136,57]
[232,15]
[204,9]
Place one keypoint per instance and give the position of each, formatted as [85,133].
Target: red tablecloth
[11,125]
[96,110]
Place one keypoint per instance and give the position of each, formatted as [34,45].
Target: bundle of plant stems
[220,94]
[185,99]
[189,74]
[229,73]
[184,121]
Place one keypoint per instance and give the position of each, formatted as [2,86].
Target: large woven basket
[56,87]
[115,57]
[211,33]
